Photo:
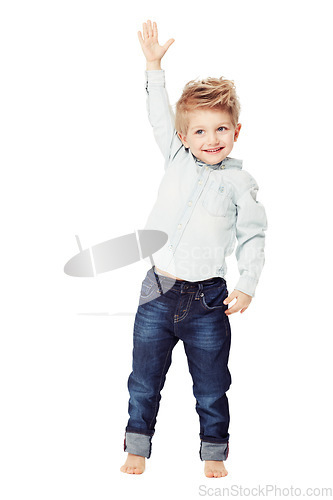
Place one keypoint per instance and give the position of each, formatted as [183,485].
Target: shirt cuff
[247,285]
[155,78]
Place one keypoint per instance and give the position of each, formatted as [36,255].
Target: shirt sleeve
[251,224]
[160,114]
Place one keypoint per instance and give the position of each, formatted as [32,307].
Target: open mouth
[213,151]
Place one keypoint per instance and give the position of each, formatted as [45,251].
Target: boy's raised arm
[160,114]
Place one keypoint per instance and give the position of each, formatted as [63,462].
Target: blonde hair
[209,93]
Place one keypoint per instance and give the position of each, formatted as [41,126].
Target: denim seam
[167,279]
[214,442]
[159,385]
[138,432]
[205,306]
[187,308]
[227,325]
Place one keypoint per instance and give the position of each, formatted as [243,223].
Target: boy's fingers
[154,29]
[144,30]
[229,298]
[168,43]
[232,309]
[140,37]
[149,28]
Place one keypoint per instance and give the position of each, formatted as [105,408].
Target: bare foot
[215,468]
[135,464]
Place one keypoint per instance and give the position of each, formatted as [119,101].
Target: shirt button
[222,166]
[189,203]
[200,182]
[170,247]
[179,226]
[206,168]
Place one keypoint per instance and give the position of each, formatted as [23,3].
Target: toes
[216,473]
[131,470]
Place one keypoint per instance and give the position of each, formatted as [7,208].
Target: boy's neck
[203,162]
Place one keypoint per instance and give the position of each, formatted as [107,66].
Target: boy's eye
[200,130]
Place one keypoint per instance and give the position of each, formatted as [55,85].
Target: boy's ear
[237,130]
[183,139]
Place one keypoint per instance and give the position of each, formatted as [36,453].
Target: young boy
[205,201]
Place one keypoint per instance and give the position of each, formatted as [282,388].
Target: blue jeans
[194,312]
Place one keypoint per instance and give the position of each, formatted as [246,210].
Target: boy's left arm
[251,225]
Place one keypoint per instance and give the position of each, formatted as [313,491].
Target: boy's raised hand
[152,50]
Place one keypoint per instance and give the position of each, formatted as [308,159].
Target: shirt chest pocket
[216,200]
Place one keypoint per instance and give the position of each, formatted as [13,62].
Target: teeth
[211,150]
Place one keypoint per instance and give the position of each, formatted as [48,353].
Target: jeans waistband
[183,283]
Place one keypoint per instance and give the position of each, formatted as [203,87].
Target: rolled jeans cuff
[214,451]
[137,444]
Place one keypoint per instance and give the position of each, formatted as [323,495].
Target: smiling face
[211,135]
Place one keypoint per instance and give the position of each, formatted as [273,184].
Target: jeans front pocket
[146,290]
[149,290]
[216,200]
[212,298]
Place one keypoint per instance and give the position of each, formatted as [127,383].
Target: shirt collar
[228,162]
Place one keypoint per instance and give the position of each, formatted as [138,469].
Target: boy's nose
[212,140]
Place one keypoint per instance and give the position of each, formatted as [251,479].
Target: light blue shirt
[202,208]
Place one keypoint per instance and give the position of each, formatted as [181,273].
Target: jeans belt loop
[159,283]
[197,297]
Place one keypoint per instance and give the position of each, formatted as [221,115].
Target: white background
[78,157]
